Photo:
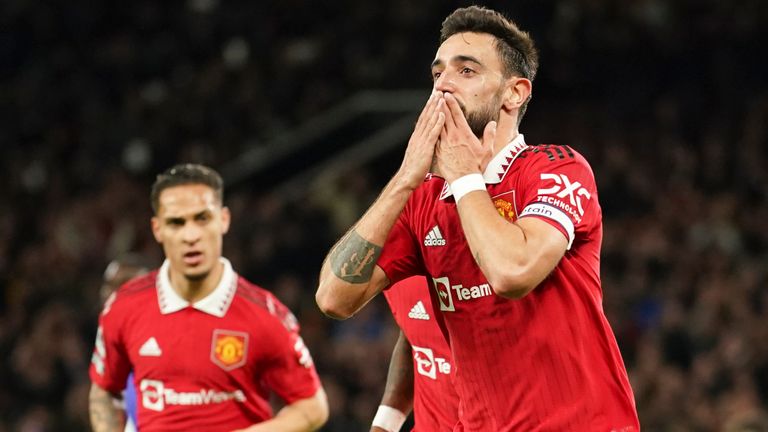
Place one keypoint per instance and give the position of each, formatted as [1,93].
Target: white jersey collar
[498,166]
[216,303]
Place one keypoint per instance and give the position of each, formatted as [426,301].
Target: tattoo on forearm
[354,258]
[105,417]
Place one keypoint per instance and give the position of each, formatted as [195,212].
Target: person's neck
[506,131]
[195,290]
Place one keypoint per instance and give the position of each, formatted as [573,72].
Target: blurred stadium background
[306,107]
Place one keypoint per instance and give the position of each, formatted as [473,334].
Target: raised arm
[105,411]
[349,277]
[398,393]
[514,257]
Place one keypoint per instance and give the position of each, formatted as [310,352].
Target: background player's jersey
[209,366]
[435,402]
[548,361]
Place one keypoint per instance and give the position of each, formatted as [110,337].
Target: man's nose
[191,233]
[445,82]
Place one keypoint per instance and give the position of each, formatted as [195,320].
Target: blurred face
[468,66]
[190,224]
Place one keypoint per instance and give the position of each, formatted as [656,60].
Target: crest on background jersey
[229,348]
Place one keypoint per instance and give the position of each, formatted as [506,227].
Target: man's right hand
[350,275]
[421,146]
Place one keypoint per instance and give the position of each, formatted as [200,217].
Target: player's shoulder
[131,293]
[139,284]
[265,305]
[405,293]
[138,287]
[551,153]
[542,157]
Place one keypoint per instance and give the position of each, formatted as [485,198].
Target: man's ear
[517,91]
[156,229]
[226,218]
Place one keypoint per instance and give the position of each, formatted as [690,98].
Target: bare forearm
[104,413]
[514,257]
[398,392]
[483,228]
[346,276]
[348,279]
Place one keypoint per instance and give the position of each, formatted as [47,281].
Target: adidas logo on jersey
[150,348]
[434,237]
[418,312]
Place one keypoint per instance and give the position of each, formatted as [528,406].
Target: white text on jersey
[154,396]
[446,293]
[429,365]
[562,188]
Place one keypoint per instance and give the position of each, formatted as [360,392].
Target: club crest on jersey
[229,349]
[505,209]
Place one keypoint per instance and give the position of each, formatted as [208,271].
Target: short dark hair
[184,174]
[515,47]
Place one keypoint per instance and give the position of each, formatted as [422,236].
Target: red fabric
[435,402]
[548,361]
[187,386]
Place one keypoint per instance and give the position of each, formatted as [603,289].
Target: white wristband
[466,184]
[389,419]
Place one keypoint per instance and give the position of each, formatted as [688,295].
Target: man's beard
[480,117]
[477,121]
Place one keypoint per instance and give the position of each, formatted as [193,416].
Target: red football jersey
[435,402]
[548,361]
[207,366]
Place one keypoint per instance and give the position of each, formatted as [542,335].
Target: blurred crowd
[667,99]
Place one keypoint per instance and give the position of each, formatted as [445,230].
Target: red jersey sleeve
[400,257]
[558,187]
[291,373]
[110,364]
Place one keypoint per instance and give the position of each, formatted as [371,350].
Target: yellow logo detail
[229,348]
[505,209]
